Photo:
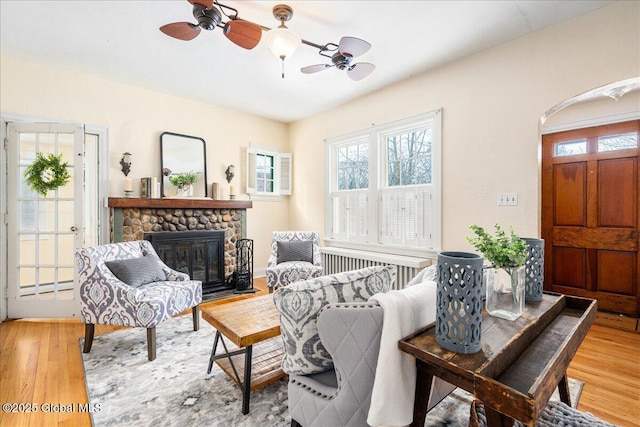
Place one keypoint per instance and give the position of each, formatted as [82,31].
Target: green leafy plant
[183,179]
[504,252]
[500,250]
[47,172]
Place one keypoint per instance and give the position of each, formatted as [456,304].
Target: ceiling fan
[246,34]
[243,33]
[343,54]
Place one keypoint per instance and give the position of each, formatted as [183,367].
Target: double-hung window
[383,189]
[268,172]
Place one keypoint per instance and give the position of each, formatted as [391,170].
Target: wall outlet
[508,199]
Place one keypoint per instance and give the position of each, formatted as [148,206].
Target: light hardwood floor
[40,363]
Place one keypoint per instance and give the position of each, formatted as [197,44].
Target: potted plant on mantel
[184,181]
[505,287]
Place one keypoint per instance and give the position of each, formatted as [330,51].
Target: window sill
[267,197]
[430,253]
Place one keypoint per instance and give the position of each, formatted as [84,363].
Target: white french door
[43,232]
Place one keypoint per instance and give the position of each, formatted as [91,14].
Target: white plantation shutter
[284,168]
[251,171]
[340,203]
[391,214]
[358,216]
[409,219]
[424,218]
[350,211]
[403,219]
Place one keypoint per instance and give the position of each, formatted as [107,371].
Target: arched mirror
[183,165]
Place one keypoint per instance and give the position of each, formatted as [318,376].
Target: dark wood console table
[519,366]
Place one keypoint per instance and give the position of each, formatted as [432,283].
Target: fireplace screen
[200,254]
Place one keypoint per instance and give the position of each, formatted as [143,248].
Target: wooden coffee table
[520,364]
[253,325]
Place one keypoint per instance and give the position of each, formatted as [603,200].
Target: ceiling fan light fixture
[282,41]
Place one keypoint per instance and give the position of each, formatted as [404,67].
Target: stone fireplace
[142,218]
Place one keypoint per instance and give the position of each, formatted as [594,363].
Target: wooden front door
[590,220]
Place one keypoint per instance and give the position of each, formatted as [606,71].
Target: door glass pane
[570,148]
[27,280]
[65,216]
[65,283]
[46,249]
[27,143]
[28,249]
[27,215]
[46,279]
[47,143]
[65,146]
[47,217]
[66,191]
[623,141]
[65,249]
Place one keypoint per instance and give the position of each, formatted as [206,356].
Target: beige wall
[136,117]
[492,103]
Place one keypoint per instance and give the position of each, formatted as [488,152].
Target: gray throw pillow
[295,251]
[137,271]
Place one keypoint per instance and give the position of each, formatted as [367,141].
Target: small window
[623,141]
[265,173]
[570,148]
[268,172]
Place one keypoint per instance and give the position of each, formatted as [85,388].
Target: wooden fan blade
[314,68]
[181,30]
[353,46]
[360,70]
[243,33]
[204,3]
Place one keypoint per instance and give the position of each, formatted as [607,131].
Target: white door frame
[103,191]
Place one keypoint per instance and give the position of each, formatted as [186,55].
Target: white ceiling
[120,41]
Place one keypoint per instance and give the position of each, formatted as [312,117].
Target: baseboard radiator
[337,260]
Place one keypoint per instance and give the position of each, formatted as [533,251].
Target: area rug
[124,388]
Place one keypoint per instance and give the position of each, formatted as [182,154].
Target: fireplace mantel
[178,203]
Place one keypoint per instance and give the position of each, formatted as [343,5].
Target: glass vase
[505,292]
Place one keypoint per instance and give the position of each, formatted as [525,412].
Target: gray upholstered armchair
[127,284]
[332,338]
[295,255]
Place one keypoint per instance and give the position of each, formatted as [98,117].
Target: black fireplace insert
[200,254]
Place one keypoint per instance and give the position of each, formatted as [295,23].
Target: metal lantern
[459,301]
[534,269]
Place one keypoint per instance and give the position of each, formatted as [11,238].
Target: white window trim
[376,133]
[282,179]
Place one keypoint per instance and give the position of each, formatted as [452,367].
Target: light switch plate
[508,199]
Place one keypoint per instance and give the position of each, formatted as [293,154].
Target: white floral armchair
[153,292]
[295,255]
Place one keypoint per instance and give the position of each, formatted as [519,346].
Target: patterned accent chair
[295,255]
[159,292]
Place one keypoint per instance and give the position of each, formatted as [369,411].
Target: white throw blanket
[405,311]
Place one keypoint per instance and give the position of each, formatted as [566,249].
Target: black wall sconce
[229,172]
[125,161]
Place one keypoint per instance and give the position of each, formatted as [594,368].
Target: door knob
[74,228]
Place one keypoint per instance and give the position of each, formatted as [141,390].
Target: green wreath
[46,173]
